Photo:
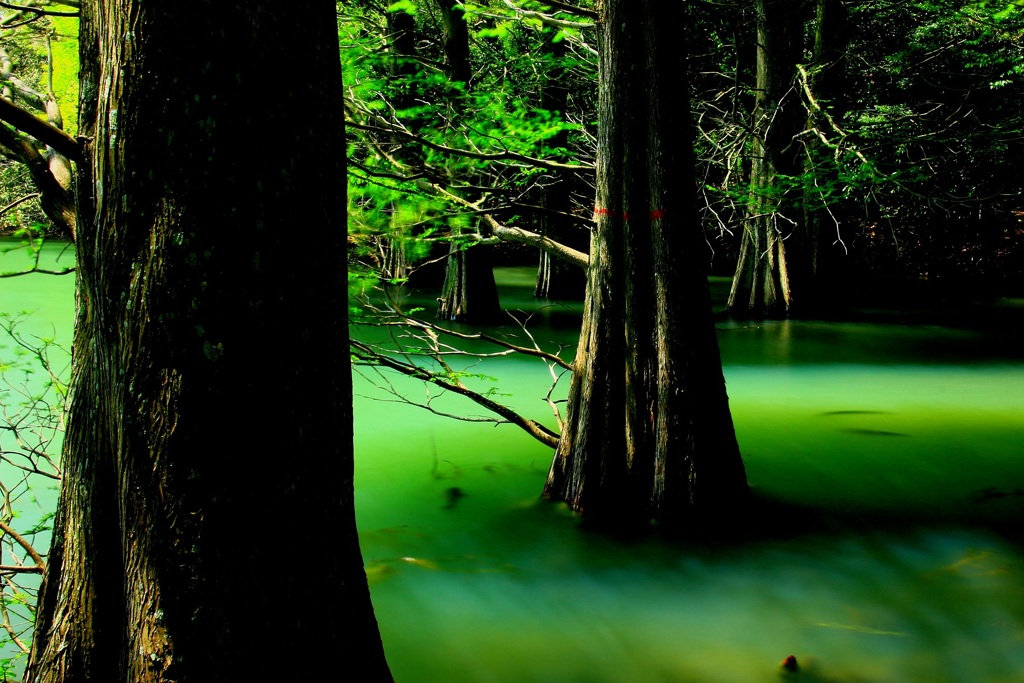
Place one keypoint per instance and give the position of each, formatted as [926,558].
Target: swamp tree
[206,507]
[469,293]
[648,432]
[766,267]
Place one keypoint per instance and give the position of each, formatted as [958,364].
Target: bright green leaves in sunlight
[429,154]
[407,6]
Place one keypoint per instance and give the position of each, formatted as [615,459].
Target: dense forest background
[894,140]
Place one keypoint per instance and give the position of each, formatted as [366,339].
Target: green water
[892,453]
[38,308]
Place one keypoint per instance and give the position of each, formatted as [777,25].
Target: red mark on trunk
[655,215]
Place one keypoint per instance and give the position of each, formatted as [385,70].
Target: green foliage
[414,129]
[64,48]
[32,47]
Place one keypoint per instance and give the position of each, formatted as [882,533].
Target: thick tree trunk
[206,509]
[763,285]
[648,431]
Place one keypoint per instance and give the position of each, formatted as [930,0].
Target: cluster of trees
[467,126]
[832,139]
[835,138]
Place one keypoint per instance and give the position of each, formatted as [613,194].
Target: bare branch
[45,132]
[406,321]
[39,12]
[448,381]
[36,557]
[514,234]
[498,156]
[571,9]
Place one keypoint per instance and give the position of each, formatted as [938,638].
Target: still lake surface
[894,444]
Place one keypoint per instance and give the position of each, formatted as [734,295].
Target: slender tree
[825,87]
[469,293]
[557,279]
[762,285]
[206,513]
[648,431]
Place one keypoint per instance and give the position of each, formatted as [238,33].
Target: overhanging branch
[39,12]
[43,131]
[513,234]
[366,354]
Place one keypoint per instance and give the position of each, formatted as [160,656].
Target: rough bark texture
[648,431]
[205,528]
[762,285]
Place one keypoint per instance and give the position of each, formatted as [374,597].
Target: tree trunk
[648,431]
[469,293]
[763,283]
[206,509]
[394,258]
[828,84]
[557,279]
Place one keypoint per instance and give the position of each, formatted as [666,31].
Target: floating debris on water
[832,413]
[873,432]
[860,629]
[453,495]
[994,493]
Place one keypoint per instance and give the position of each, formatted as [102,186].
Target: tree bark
[762,285]
[469,293]
[555,278]
[206,510]
[648,431]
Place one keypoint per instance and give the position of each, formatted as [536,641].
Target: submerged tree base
[648,433]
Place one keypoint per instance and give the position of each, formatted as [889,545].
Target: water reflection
[887,546]
[891,550]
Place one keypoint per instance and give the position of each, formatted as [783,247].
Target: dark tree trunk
[763,285]
[394,257]
[828,85]
[469,293]
[455,37]
[648,430]
[206,513]
[557,279]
